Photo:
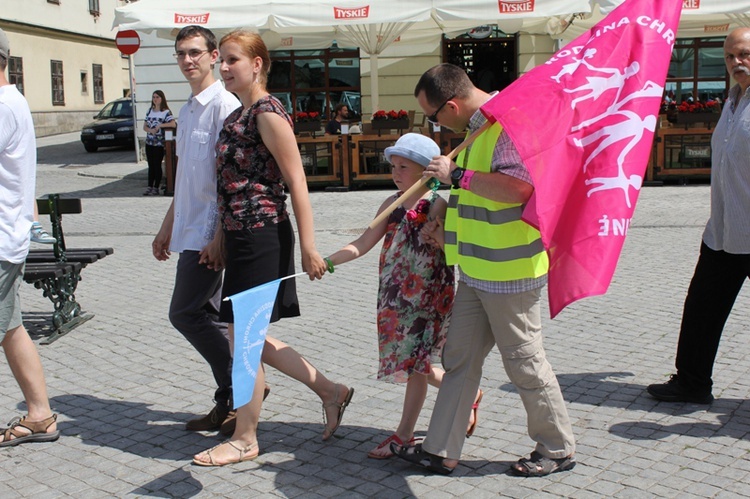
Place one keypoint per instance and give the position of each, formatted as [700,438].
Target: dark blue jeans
[717,281]
[194,312]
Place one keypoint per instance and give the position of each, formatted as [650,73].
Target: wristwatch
[456,175]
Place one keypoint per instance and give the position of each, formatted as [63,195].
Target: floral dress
[250,184]
[415,296]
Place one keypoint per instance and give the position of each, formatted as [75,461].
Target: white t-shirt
[17,174]
[195,198]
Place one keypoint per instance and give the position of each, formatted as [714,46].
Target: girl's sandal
[475,410]
[243,455]
[21,430]
[383,451]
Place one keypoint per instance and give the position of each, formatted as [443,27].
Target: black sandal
[539,465]
[416,455]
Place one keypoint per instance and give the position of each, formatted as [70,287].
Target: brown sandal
[244,454]
[330,430]
[37,431]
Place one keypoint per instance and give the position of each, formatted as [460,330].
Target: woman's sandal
[416,455]
[243,456]
[385,445]
[33,431]
[329,431]
[539,465]
[475,409]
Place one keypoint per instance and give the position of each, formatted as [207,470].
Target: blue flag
[252,314]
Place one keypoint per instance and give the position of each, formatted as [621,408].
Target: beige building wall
[400,71]
[39,32]
[400,67]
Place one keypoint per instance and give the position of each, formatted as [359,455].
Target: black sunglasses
[433,118]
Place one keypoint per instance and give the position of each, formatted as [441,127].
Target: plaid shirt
[505,160]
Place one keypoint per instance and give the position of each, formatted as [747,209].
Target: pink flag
[583,123]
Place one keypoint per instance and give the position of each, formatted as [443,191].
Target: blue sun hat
[414,146]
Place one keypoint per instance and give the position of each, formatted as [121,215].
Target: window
[58,92]
[84,83]
[697,70]
[15,72]
[491,63]
[94,8]
[316,80]
[98,72]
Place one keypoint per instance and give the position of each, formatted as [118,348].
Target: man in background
[724,261]
[340,113]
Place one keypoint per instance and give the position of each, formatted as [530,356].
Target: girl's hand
[433,233]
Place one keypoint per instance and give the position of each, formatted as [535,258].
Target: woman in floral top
[157,119]
[415,296]
[257,156]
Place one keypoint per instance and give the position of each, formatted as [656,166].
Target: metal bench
[57,271]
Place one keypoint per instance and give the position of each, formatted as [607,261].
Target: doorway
[490,63]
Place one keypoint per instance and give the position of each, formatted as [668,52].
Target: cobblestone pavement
[125,382]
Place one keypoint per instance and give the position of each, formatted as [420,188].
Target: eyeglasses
[433,118]
[193,55]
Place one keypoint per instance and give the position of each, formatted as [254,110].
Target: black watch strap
[456,175]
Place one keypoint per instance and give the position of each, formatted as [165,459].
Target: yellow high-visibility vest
[486,238]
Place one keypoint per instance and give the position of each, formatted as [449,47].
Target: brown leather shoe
[230,422]
[211,421]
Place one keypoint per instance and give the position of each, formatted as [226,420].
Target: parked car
[112,126]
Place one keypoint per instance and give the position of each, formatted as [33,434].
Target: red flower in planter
[390,115]
[302,117]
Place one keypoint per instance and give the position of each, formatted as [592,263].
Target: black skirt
[258,256]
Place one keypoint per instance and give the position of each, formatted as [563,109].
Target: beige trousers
[480,321]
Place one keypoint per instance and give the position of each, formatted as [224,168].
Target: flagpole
[298,274]
[422,181]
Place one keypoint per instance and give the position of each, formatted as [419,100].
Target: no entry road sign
[128,41]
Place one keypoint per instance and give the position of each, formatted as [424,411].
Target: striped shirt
[505,160]
[195,198]
[728,227]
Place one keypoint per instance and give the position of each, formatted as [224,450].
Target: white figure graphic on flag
[571,67]
[597,85]
[631,128]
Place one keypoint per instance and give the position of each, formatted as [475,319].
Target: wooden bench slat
[49,270]
[64,206]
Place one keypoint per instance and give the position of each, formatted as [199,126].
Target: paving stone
[125,382]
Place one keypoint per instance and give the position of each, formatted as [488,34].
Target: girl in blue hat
[415,295]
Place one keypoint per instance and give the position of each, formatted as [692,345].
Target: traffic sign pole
[132,106]
[128,42]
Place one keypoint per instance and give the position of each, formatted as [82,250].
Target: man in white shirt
[724,262]
[17,185]
[190,224]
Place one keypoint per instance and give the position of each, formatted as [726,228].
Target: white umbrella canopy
[700,18]
[373,26]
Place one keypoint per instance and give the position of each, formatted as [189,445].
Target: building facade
[64,59]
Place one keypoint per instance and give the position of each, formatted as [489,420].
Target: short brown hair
[195,31]
[442,82]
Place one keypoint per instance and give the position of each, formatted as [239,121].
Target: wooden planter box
[306,126]
[390,124]
[687,119]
